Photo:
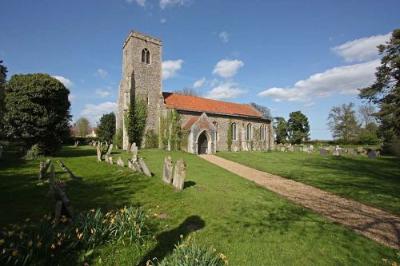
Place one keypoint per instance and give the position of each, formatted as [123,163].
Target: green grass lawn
[374,182]
[249,224]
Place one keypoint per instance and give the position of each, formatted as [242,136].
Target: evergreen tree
[106,128]
[298,127]
[280,128]
[385,92]
[37,111]
[3,75]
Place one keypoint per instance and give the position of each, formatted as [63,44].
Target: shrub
[106,128]
[117,140]
[50,243]
[151,139]
[33,153]
[191,254]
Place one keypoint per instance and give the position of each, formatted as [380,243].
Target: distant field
[372,181]
[249,224]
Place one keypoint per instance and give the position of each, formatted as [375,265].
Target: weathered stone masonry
[208,129]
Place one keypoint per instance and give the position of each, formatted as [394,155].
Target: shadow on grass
[69,151]
[189,184]
[166,241]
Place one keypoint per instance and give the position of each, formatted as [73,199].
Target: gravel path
[373,223]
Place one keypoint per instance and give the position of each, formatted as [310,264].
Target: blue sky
[286,55]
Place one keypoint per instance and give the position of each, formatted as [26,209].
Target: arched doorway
[202,144]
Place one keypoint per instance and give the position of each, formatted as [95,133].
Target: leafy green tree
[369,134]
[37,111]
[343,123]
[298,127]
[3,75]
[106,128]
[385,92]
[280,128]
[82,127]
[136,121]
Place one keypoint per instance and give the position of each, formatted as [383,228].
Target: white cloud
[362,49]
[199,83]
[139,2]
[227,68]
[67,83]
[103,93]
[163,20]
[341,80]
[171,3]
[224,36]
[170,68]
[71,97]
[94,112]
[101,73]
[226,90]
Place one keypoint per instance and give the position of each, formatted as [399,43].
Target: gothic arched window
[234,135]
[145,56]
[248,132]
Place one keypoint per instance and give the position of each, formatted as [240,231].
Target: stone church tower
[141,79]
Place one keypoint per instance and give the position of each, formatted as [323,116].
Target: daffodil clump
[50,243]
[188,253]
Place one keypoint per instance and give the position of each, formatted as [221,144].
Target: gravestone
[311,148]
[337,151]
[99,153]
[144,167]
[131,165]
[134,150]
[372,154]
[76,143]
[179,175]
[120,162]
[43,167]
[323,152]
[110,160]
[109,149]
[167,170]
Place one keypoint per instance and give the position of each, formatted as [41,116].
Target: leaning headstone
[120,162]
[131,165]
[66,169]
[323,152]
[167,170]
[43,167]
[179,174]
[109,149]
[144,167]
[372,154]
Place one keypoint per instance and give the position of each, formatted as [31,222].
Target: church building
[211,125]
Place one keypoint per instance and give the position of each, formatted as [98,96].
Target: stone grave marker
[144,167]
[120,162]
[323,152]
[43,167]
[167,170]
[372,154]
[109,149]
[179,175]
[99,153]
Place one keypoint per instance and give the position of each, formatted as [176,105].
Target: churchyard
[244,223]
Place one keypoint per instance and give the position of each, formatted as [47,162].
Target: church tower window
[145,56]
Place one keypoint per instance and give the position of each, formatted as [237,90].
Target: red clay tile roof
[190,122]
[198,104]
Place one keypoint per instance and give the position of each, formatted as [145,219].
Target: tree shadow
[167,240]
[189,184]
[70,151]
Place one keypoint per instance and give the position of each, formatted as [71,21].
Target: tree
[82,127]
[298,127]
[136,121]
[187,91]
[369,134]
[37,111]
[106,128]
[366,113]
[385,91]
[266,113]
[343,123]
[280,128]
[3,75]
